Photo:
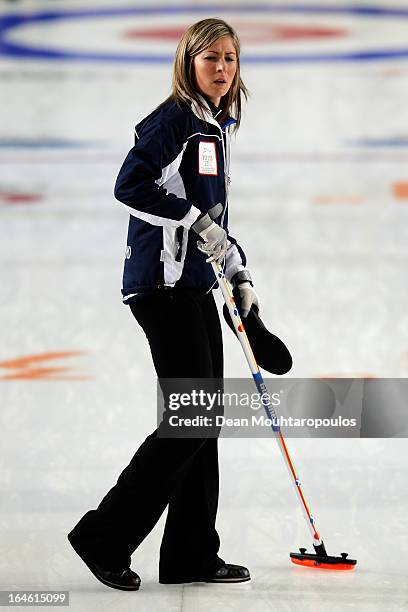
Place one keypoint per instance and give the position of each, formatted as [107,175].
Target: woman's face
[215,69]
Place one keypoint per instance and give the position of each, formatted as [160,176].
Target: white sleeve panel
[172,182]
[172,168]
[187,221]
[233,262]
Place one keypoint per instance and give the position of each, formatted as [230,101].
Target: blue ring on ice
[19,50]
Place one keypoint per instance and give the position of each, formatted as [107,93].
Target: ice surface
[313,200]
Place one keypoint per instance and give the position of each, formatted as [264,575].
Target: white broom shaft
[243,338]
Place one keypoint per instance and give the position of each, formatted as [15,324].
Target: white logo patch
[128,252]
[207,158]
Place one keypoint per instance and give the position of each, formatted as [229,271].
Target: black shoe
[124,580]
[230,573]
[226,573]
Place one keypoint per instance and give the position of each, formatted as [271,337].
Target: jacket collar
[215,110]
[206,113]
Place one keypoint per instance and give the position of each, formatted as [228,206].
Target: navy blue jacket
[178,169]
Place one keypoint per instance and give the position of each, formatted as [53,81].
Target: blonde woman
[174,183]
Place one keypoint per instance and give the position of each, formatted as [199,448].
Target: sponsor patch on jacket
[207,158]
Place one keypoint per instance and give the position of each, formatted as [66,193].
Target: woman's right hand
[213,238]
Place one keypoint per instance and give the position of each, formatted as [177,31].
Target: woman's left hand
[248,298]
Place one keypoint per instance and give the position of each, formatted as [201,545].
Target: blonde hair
[197,38]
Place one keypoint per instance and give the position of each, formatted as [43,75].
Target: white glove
[215,238]
[248,297]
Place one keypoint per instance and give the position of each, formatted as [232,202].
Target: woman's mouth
[221,81]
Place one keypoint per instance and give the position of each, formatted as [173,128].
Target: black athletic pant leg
[190,526]
[184,334]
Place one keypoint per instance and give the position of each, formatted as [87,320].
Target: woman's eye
[213,57]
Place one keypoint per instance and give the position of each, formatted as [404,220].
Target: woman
[174,183]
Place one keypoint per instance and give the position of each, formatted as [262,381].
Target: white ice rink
[319,200]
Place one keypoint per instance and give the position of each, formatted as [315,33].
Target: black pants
[184,333]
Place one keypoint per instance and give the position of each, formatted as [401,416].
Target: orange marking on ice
[30,368]
[400,190]
[25,361]
[338,199]
[19,198]
[41,373]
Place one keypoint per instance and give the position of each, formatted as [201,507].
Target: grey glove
[242,281]
[214,238]
[248,297]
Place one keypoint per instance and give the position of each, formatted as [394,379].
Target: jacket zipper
[226,172]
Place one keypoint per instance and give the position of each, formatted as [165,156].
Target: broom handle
[259,382]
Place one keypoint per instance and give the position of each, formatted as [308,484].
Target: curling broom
[320,558]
